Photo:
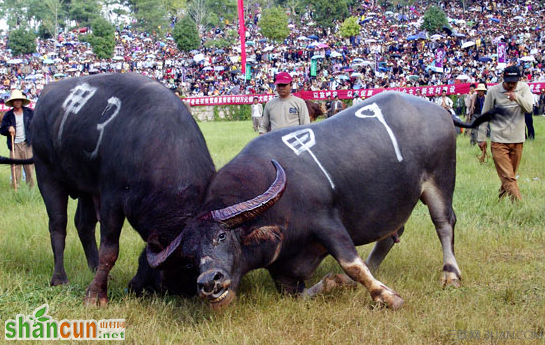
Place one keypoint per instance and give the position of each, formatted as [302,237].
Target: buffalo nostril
[207,287]
[218,276]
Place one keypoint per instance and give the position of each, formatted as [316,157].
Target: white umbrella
[462,77]
[336,54]
[519,18]
[117,58]
[303,38]
[527,58]
[268,49]
[356,74]
[219,68]
[71,70]
[468,44]
[436,37]
[198,57]
[15,61]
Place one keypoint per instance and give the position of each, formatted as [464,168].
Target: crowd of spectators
[390,51]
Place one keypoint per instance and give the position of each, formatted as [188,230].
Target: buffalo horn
[242,212]
[155,259]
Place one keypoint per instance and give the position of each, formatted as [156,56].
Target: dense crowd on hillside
[390,51]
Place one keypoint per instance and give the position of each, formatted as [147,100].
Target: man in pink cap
[286,110]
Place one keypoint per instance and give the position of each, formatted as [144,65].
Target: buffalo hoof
[59,279]
[450,279]
[388,297]
[223,301]
[95,299]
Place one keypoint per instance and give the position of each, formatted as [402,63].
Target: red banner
[428,91]
[242,34]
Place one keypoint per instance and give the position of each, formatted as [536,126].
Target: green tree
[273,24]
[84,11]
[350,27]
[21,42]
[151,16]
[102,38]
[186,34]
[52,15]
[326,12]
[434,19]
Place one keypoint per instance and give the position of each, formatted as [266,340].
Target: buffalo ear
[270,233]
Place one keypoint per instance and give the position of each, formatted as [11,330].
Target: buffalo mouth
[221,299]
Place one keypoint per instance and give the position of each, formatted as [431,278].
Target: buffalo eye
[222,237]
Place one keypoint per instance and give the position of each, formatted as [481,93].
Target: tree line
[185,20]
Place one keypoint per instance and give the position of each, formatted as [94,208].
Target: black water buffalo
[126,147]
[371,164]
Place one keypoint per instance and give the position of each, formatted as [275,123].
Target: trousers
[22,151]
[507,159]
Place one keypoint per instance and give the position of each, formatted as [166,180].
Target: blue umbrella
[48,61]
[496,20]
[313,37]
[366,20]
[412,37]
[262,40]
[250,43]
[485,59]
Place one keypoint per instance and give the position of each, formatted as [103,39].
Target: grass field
[500,248]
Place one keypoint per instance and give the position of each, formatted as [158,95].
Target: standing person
[286,110]
[468,100]
[357,100]
[257,113]
[16,122]
[328,106]
[445,102]
[336,106]
[476,109]
[507,131]
[542,102]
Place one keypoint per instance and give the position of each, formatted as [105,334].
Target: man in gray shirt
[286,110]
[507,131]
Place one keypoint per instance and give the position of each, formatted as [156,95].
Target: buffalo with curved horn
[371,164]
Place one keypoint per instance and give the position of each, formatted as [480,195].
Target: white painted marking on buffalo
[75,101]
[374,108]
[112,102]
[301,141]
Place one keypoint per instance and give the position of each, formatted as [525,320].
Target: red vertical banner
[242,33]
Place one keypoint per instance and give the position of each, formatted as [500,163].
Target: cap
[283,78]
[511,74]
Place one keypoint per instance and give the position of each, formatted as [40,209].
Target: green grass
[500,248]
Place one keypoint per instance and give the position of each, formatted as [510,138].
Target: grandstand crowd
[390,51]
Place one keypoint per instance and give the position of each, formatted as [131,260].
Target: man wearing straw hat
[16,126]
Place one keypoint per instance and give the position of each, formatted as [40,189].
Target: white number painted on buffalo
[377,113]
[74,102]
[301,141]
[112,102]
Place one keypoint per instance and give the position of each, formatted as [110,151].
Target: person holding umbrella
[16,126]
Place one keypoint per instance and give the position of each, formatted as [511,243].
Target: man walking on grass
[507,131]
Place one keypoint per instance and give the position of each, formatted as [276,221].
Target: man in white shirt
[257,113]
[445,102]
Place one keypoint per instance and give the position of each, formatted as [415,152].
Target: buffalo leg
[328,283]
[146,278]
[444,219]
[111,222]
[339,244]
[381,249]
[85,221]
[56,200]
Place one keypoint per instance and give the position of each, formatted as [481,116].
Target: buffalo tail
[5,160]
[489,115]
